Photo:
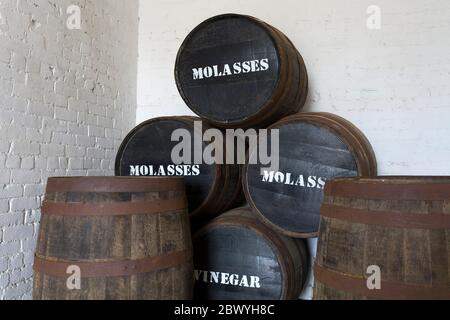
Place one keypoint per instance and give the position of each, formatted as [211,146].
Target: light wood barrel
[384,238]
[123,238]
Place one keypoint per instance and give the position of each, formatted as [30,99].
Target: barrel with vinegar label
[237,257]
[312,148]
[236,71]
[114,238]
[385,238]
[147,151]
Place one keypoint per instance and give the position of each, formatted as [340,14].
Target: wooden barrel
[237,257]
[236,71]
[394,230]
[123,238]
[312,147]
[146,151]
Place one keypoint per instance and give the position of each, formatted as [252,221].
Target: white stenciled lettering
[228,279]
[246,67]
[254,282]
[237,68]
[198,73]
[227,70]
[264,64]
[225,278]
[170,170]
[215,71]
[134,171]
[144,171]
[290,179]
[214,277]
[208,72]
[312,183]
[268,176]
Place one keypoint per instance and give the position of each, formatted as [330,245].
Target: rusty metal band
[115,184]
[123,268]
[390,290]
[434,221]
[114,208]
[388,191]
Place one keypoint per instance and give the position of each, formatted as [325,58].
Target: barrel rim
[134,131]
[346,132]
[278,48]
[393,179]
[112,184]
[392,188]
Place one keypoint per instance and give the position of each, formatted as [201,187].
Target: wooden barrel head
[227,68]
[146,151]
[236,71]
[238,257]
[310,153]
[234,262]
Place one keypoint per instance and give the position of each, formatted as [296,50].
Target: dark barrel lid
[146,151]
[234,262]
[290,198]
[228,68]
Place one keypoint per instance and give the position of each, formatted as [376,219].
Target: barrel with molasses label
[312,148]
[237,71]
[147,152]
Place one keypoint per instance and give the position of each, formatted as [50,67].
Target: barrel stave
[88,238]
[409,242]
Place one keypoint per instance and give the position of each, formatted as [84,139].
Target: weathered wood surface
[236,71]
[237,257]
[211,189]
[75,231]
[401,225]
[313,148]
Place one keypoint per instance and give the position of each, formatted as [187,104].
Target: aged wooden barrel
[126,238]
[237,257]
[236,71]
[312,147]
[146,151]
[389,234]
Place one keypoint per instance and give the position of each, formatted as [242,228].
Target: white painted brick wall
[67,98]
[392,83]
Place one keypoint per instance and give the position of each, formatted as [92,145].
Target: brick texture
[67,98]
